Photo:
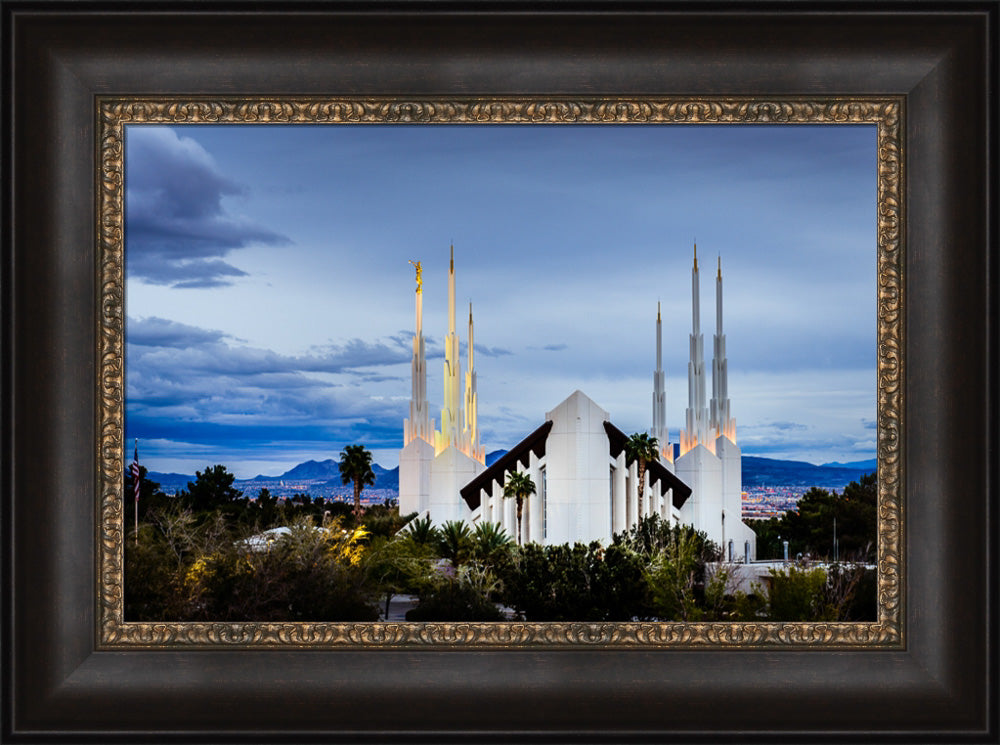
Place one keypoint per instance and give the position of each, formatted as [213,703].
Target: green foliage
[212,488]
[383,520]
[398,565]
[151,587]
[810,529]
[190,569]
[641,449]
[463,597]
[519,487]
[356,467]
[455,542]
[490,543]
[797,594]
[575,583]
[652,535]
[421,530]
[673,575]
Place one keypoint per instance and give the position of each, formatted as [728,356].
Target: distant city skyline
[269,298]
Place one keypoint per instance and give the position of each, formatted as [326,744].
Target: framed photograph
[115,153]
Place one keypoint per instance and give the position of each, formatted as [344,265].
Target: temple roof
[535,443]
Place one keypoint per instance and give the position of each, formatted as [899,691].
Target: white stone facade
[584,490]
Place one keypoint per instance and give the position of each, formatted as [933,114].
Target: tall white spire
[722,423]
[451,413]
[470,433]
[419,425]
[696,419]
[659,430]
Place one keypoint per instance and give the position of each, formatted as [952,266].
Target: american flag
[136,474]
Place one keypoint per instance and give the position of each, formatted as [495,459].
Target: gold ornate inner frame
[886,113]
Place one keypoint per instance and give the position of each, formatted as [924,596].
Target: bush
[575,583]
[460,596]
[797,594]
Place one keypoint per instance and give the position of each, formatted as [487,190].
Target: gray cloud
[191,383]
[492,351]
[177,228]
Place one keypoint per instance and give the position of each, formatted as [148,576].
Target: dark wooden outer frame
[58,686]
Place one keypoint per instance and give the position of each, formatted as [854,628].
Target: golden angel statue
[420,281]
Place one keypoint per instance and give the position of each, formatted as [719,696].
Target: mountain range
[325,475]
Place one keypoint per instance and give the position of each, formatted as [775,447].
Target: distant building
[576,457]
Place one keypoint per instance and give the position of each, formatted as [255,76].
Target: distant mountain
[311,469]
[384,478]
[170,482]
[867,465]
[770,472]
[756,472]
[493,457]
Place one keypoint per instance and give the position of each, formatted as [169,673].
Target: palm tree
[454,542]
[489,541]
[641,449]
[520,487]
[421,531]
[356,466]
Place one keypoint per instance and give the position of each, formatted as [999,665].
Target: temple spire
[696,429]
[659,430]
[722,423]
[419,425]
[470,434]
[451,412]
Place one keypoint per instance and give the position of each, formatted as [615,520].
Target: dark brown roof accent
[657,472]
[533,443]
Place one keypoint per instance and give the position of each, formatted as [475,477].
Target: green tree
[212,488]
[385,520]
[490,542]
[356,468]
[398,565]
[422,531]
[151,498]
[809,529]
[641,448]
[455,542]
[462,595]
[519,486]
[797,594]
[652,534]
[575,583]
[673,576]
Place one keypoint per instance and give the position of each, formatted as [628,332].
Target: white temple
[584,489]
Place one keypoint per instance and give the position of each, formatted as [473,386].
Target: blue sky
[269,298]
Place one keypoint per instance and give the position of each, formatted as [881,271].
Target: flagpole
[136,484]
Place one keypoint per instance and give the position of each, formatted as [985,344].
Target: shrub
[575,583]
[462,596]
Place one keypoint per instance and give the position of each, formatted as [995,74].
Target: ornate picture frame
[73,670]
[886,114]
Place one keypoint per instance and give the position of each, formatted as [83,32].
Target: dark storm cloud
[188,349]
[160,332]
[196,385]
[177,230]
